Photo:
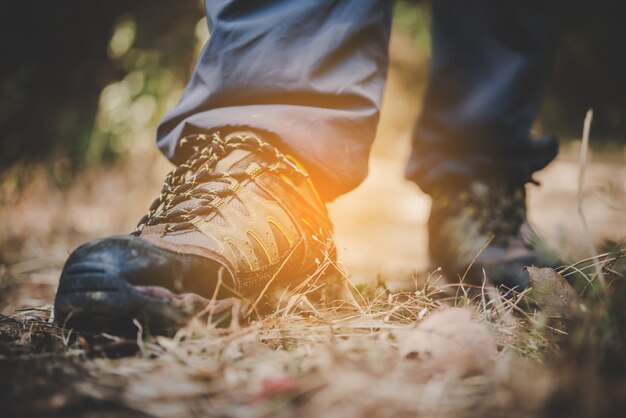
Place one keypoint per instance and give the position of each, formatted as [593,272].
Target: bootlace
[181,184]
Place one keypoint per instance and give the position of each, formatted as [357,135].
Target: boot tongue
[235,161]
[228,163]
[239,159]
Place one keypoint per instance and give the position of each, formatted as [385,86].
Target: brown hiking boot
[484,228]
[236,219]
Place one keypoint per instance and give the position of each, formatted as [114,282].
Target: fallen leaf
[449,342]
[555,297]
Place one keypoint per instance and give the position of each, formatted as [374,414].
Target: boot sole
[93,298]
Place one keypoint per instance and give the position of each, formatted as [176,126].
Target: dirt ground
[299,362]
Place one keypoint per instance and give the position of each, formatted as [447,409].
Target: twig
[214,297]
[618,253]
[584,147]
[140,343]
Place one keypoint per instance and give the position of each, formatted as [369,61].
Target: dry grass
[330,348]
[307,358]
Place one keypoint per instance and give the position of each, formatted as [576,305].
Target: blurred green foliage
[87,81]
[69,66]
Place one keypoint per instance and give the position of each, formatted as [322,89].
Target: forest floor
[390,346]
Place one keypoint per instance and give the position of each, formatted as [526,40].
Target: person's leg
[472,148]
[308,73]
[490,64]
[285,92]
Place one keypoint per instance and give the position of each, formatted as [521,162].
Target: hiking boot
[482,232]
[236,219]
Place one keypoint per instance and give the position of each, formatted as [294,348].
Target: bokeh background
[84,84]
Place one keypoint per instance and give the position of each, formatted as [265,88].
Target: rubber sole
[97,286]
[92,297]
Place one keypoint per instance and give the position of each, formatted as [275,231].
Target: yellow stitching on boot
[234,186]
[253,170]
[308,223]
[216,202]
[258,241]
[305,172]
[280,228]
[243,254]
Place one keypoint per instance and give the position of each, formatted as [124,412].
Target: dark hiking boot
[235,220]
[482,232]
